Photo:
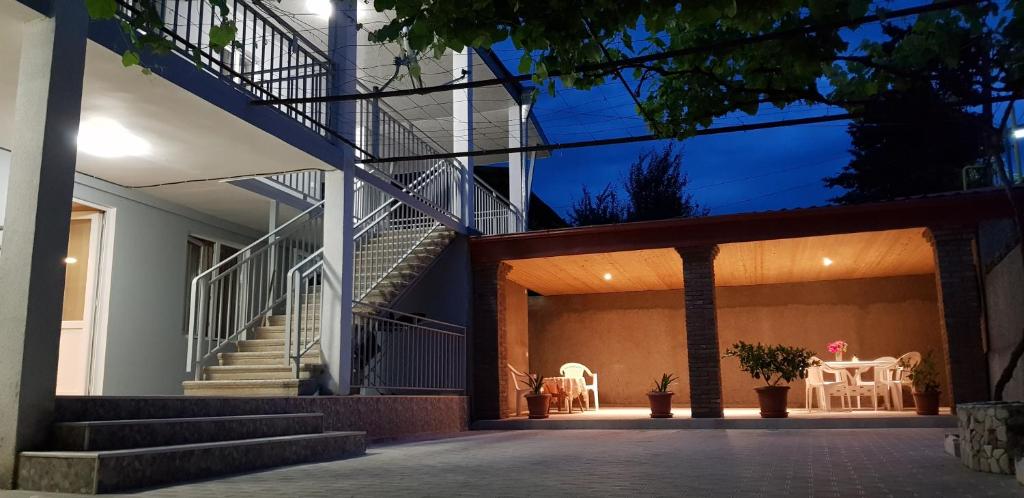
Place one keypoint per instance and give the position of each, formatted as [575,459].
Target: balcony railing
[267,60]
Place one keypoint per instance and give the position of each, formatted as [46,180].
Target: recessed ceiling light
[826,261]
[322,8]
[607,276]
[70,260]
[104,137]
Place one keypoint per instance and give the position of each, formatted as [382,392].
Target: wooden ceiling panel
[859,255]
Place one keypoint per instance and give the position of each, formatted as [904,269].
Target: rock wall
[991,435]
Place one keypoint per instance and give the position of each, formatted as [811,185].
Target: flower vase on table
[837,348]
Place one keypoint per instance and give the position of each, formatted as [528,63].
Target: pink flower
[837,347]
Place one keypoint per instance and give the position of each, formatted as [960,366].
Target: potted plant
[661,398]
[539,403]
[774,364]
[924,378]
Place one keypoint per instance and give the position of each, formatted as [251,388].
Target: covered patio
[633,301]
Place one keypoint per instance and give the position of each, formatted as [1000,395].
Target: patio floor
[892,462]
[735,418]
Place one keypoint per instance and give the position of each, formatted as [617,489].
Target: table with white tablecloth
[566,389]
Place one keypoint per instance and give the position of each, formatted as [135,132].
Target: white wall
[5,170]
[145,344]
[1005,320]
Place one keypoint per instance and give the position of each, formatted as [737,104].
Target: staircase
[191,442]
[259,366]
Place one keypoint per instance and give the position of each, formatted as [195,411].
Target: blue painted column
[38,216]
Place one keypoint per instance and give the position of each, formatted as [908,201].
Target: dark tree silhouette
[910,143]
[601,209]
[656,188]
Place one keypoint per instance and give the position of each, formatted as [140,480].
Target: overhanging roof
[950,209]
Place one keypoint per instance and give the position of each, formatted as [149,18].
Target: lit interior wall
[630,338]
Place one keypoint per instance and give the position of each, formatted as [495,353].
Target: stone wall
[1005,319]
[991,435]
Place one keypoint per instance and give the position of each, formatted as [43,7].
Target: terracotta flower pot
[773,401]
[661,404]
[539,405]
[926,403]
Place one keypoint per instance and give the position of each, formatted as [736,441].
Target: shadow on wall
[631,338]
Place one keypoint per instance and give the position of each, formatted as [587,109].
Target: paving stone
[692,463]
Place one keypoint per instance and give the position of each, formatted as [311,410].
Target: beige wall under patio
[630,338]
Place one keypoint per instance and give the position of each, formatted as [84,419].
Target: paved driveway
[872,463]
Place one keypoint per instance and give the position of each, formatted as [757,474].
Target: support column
[42,178]
[961,313]
[702,330]
[517,191]
[339,187]
[487,383]
[462,130]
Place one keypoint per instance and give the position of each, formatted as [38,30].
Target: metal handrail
[396,351]
[236,294]
[299,323]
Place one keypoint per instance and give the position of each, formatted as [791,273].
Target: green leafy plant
[925,375]
[535,382]
[774,364]
[661,386]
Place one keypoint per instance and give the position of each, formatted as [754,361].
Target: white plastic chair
[520,391]
[901,378]
[818,388]
[878,385]
[577,370]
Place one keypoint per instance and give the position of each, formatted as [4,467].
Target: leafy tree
[601,209]
[656,188]
[908,144]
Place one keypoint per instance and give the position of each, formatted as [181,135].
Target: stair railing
[304,309]
[234,296]
[493,213]
[396,351]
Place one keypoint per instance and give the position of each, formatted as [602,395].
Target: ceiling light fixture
[826,261]
[104,137]
[607,276]
[70,260]
[322,8]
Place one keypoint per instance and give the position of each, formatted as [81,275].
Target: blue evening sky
[730,173]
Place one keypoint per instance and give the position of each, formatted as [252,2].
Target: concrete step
[271,387]
[103,435]
[258,372]
[264,358]
[118,470]
[261,345]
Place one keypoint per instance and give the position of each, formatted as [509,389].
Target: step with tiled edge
[259,372]
[119,470]
[275,387]
[103,435]
[265,358]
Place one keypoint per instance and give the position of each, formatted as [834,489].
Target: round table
[566,388]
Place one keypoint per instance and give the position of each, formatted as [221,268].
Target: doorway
[78,316]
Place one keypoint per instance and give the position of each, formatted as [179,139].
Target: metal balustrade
[304,309]
[493,213]
[236,295]
[395,351]
[383,240]
[308,184]
[268,58]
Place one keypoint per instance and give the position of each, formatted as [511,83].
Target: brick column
[487,349]
[702,330]
[960,312]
